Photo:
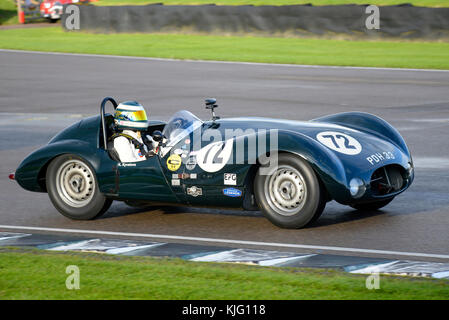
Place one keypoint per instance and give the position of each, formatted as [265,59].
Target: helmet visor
[131,115]
[140,115]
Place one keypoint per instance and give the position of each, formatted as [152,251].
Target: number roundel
[214,156]
[340,142]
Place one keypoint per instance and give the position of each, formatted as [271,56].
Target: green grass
[422,3]
[8,12]
[37,274]
[232,48]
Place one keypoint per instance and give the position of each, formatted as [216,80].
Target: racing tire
[371,206]
[291,196]
[73,188]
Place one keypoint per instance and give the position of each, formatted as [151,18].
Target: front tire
[291,196]
[73,188]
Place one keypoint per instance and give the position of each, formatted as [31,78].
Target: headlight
[357,187]
[409,169]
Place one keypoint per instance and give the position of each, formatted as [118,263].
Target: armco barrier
[396,21]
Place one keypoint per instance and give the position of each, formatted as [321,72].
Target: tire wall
[395,21]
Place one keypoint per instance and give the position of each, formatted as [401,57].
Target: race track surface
[42,93]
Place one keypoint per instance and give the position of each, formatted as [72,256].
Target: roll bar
[103,125]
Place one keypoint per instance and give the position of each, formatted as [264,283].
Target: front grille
[388,179]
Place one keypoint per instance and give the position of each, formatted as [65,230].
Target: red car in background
[52,9]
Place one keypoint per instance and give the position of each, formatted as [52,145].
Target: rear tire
[291,197]
[73,188]
[371,206]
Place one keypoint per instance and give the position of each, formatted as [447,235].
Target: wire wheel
[286,191]
[75,183]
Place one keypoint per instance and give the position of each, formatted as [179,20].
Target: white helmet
[131,115]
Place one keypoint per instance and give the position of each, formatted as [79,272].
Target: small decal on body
[194,191]
[230,179]
[121,164]
[232,192]
[184,175]
[174,162]
[191,162]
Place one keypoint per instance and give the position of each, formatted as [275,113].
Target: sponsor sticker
[174,162]
[194,191]
[184,176]
[176,182]
[230,179]
[191,162]
[232,192]
[340,142]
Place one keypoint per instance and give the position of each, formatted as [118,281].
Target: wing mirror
[211,104]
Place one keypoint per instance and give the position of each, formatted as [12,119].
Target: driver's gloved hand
[150,153]
[148,141]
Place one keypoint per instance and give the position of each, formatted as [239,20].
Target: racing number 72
[347,145]
[217,158]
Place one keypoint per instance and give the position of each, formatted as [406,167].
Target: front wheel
[371,206]
[73,189]
[290,196]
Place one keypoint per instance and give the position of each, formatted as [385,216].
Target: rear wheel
[291,196]
[371,206]
[73,189]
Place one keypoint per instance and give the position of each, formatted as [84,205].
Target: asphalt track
[42,93]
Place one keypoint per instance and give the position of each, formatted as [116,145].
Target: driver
[131,146]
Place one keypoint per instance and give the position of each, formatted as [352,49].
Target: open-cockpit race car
[287,169]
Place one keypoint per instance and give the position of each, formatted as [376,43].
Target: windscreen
[179,126]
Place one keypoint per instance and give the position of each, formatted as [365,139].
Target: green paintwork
[151,180]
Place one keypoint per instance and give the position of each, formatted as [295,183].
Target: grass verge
[8,12]
[38,274]
[431,55]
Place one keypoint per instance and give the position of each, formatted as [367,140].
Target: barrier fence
[395,21]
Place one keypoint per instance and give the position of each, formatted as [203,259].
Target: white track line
[230,241]
[217,62]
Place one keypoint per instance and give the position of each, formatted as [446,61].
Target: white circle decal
[340,142]
[214,156]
